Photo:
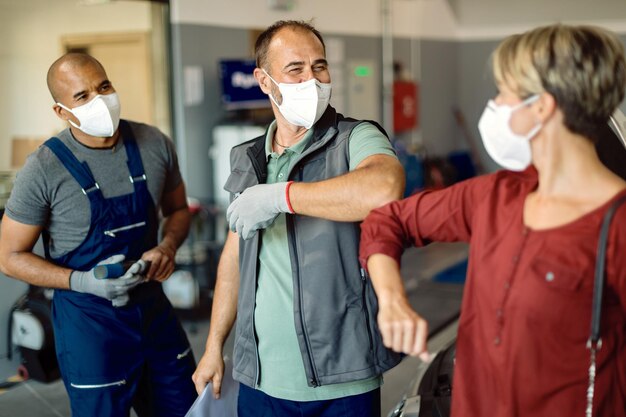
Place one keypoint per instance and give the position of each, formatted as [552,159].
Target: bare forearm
[385,275]
[177,218]
[18,261]
[211,365]
[224,309]
[351,196]
[402,329]
[175,228]
[30,268]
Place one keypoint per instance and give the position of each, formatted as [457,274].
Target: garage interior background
[444,46]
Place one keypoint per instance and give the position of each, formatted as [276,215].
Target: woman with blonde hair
[533,230]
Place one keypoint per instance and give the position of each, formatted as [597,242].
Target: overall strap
[135,166]
[79,170]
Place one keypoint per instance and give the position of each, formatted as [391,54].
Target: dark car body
[430,392]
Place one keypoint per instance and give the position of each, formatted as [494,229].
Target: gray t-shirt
[45,193]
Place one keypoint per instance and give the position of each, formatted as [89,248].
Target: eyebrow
[300,63]
[80,93]
[320,61]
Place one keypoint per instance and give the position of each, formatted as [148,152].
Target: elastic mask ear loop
[63,107]
[270,76]
[526,102]
[71,112]
[539,125]
[274,81]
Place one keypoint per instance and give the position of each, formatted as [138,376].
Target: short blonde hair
[582,67]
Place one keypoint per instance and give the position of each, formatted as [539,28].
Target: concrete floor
[437,302]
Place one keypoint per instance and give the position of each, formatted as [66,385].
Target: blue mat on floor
[454,274]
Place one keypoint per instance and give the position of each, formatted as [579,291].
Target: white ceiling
[473,13]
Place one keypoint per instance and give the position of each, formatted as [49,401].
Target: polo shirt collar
[298,148]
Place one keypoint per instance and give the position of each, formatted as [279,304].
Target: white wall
[477,13]
[33,29]
[428,18]
[433,19]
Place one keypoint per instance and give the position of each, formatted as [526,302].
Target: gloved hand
[257,207]
[109,288]
[135,271]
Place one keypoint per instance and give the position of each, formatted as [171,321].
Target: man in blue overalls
[94,191]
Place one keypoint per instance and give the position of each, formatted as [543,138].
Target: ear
[263,80]
[60,112]
[64,114]
[545,106]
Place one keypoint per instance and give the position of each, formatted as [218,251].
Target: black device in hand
[116,270]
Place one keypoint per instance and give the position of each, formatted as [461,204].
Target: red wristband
[291,210]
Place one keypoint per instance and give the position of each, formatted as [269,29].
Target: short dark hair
[262,42]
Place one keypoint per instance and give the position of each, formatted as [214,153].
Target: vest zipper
[112,232]
[261,176]
[92,386]
[257,374]
[367,313]
[257,370]
[307,344]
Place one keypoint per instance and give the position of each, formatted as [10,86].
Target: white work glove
[135,271]
[257,207]
[99,284]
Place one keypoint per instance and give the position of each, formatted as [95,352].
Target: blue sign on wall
[240,89]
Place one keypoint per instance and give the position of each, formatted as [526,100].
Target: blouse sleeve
[443,215]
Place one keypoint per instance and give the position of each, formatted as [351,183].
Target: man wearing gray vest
[307,343]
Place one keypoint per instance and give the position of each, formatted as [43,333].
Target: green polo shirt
[281,366]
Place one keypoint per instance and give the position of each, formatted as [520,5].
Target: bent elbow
[392,187]
[6,262]
[3,265]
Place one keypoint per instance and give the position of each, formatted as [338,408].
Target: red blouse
[526,312]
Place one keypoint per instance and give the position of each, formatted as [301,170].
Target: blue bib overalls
[112,358]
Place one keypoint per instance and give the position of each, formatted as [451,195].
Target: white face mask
[100,117]
[303,103]
[508,149]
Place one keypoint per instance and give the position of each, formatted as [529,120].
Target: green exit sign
[362,71]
